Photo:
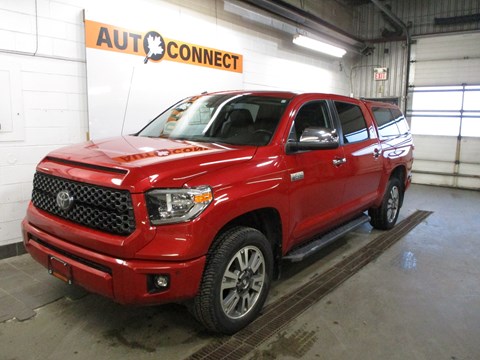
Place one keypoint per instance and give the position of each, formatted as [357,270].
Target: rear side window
[390,122]
[353,122]
[385,122]
[400,121]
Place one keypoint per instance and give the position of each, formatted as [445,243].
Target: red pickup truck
[202,204]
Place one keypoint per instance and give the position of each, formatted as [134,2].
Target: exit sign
[380,74]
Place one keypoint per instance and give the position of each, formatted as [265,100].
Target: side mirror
[315,139]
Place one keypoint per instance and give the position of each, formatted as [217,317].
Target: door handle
[376,153]
[339,161]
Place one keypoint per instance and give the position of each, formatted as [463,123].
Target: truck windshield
[231,119]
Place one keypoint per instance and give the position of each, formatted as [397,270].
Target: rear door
[362,152]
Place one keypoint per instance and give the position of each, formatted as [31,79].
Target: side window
[386,123]
[353,122]
[312,114]
[401,121]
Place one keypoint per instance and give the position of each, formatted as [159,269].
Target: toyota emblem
[64,200]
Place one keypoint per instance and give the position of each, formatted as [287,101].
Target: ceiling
[334,20]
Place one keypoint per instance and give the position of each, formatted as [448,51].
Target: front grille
[96,207]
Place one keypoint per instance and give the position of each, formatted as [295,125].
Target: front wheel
[235,282]
[386,215]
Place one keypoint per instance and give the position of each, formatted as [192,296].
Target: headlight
[167,206]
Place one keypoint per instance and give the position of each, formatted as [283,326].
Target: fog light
[161,281]
[157,283]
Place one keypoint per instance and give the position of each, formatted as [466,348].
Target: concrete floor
[419,300]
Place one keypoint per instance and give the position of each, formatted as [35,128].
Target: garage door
[444,109]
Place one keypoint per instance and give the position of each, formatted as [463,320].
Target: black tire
[385,217]
[230,281]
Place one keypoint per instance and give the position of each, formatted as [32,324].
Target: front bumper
[124,281]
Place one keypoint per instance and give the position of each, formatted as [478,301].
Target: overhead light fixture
[318,46]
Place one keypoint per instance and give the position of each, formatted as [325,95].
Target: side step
[298,254]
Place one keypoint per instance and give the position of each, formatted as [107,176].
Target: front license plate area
[60,269]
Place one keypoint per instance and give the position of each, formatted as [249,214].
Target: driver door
[317,177]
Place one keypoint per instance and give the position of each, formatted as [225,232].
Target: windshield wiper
[206,139]
[198,138]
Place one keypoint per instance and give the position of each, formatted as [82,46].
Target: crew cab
[202,205]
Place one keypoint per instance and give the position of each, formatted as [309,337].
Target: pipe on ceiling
[310,22]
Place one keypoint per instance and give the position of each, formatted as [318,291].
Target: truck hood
[149,162]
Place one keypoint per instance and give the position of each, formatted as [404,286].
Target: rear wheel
[386,215]
[236,281]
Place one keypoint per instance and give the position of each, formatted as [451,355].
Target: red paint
[243,179]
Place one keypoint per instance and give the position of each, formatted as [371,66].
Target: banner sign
[154,47]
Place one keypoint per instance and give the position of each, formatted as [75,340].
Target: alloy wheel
[242,282]
[393,204]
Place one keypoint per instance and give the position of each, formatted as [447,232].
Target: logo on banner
[156,48]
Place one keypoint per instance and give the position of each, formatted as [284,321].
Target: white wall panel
[470,169]
[468,183]
[11,114]
[16,21]
[34,81]
[435,160]
[7,39]
[447,72]
[447,60]
[45,100]
[436,166]
[432,179]
[14,174]
[15,155]
[8,231]
[13,211]
[16,193]
[52,90]
[437,148]
[453,47]
[470,150]
[6,116]
[52,28]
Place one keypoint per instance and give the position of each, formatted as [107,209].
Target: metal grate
[277,315]
[96,207]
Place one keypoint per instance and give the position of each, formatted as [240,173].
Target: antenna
[128,98]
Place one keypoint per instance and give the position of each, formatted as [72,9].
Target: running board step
[313,246]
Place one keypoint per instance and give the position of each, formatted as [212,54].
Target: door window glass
[311,115]
[353,122]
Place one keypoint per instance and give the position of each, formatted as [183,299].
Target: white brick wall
[53,94]
[53,83]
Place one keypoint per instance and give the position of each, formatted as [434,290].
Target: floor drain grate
[278,314]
